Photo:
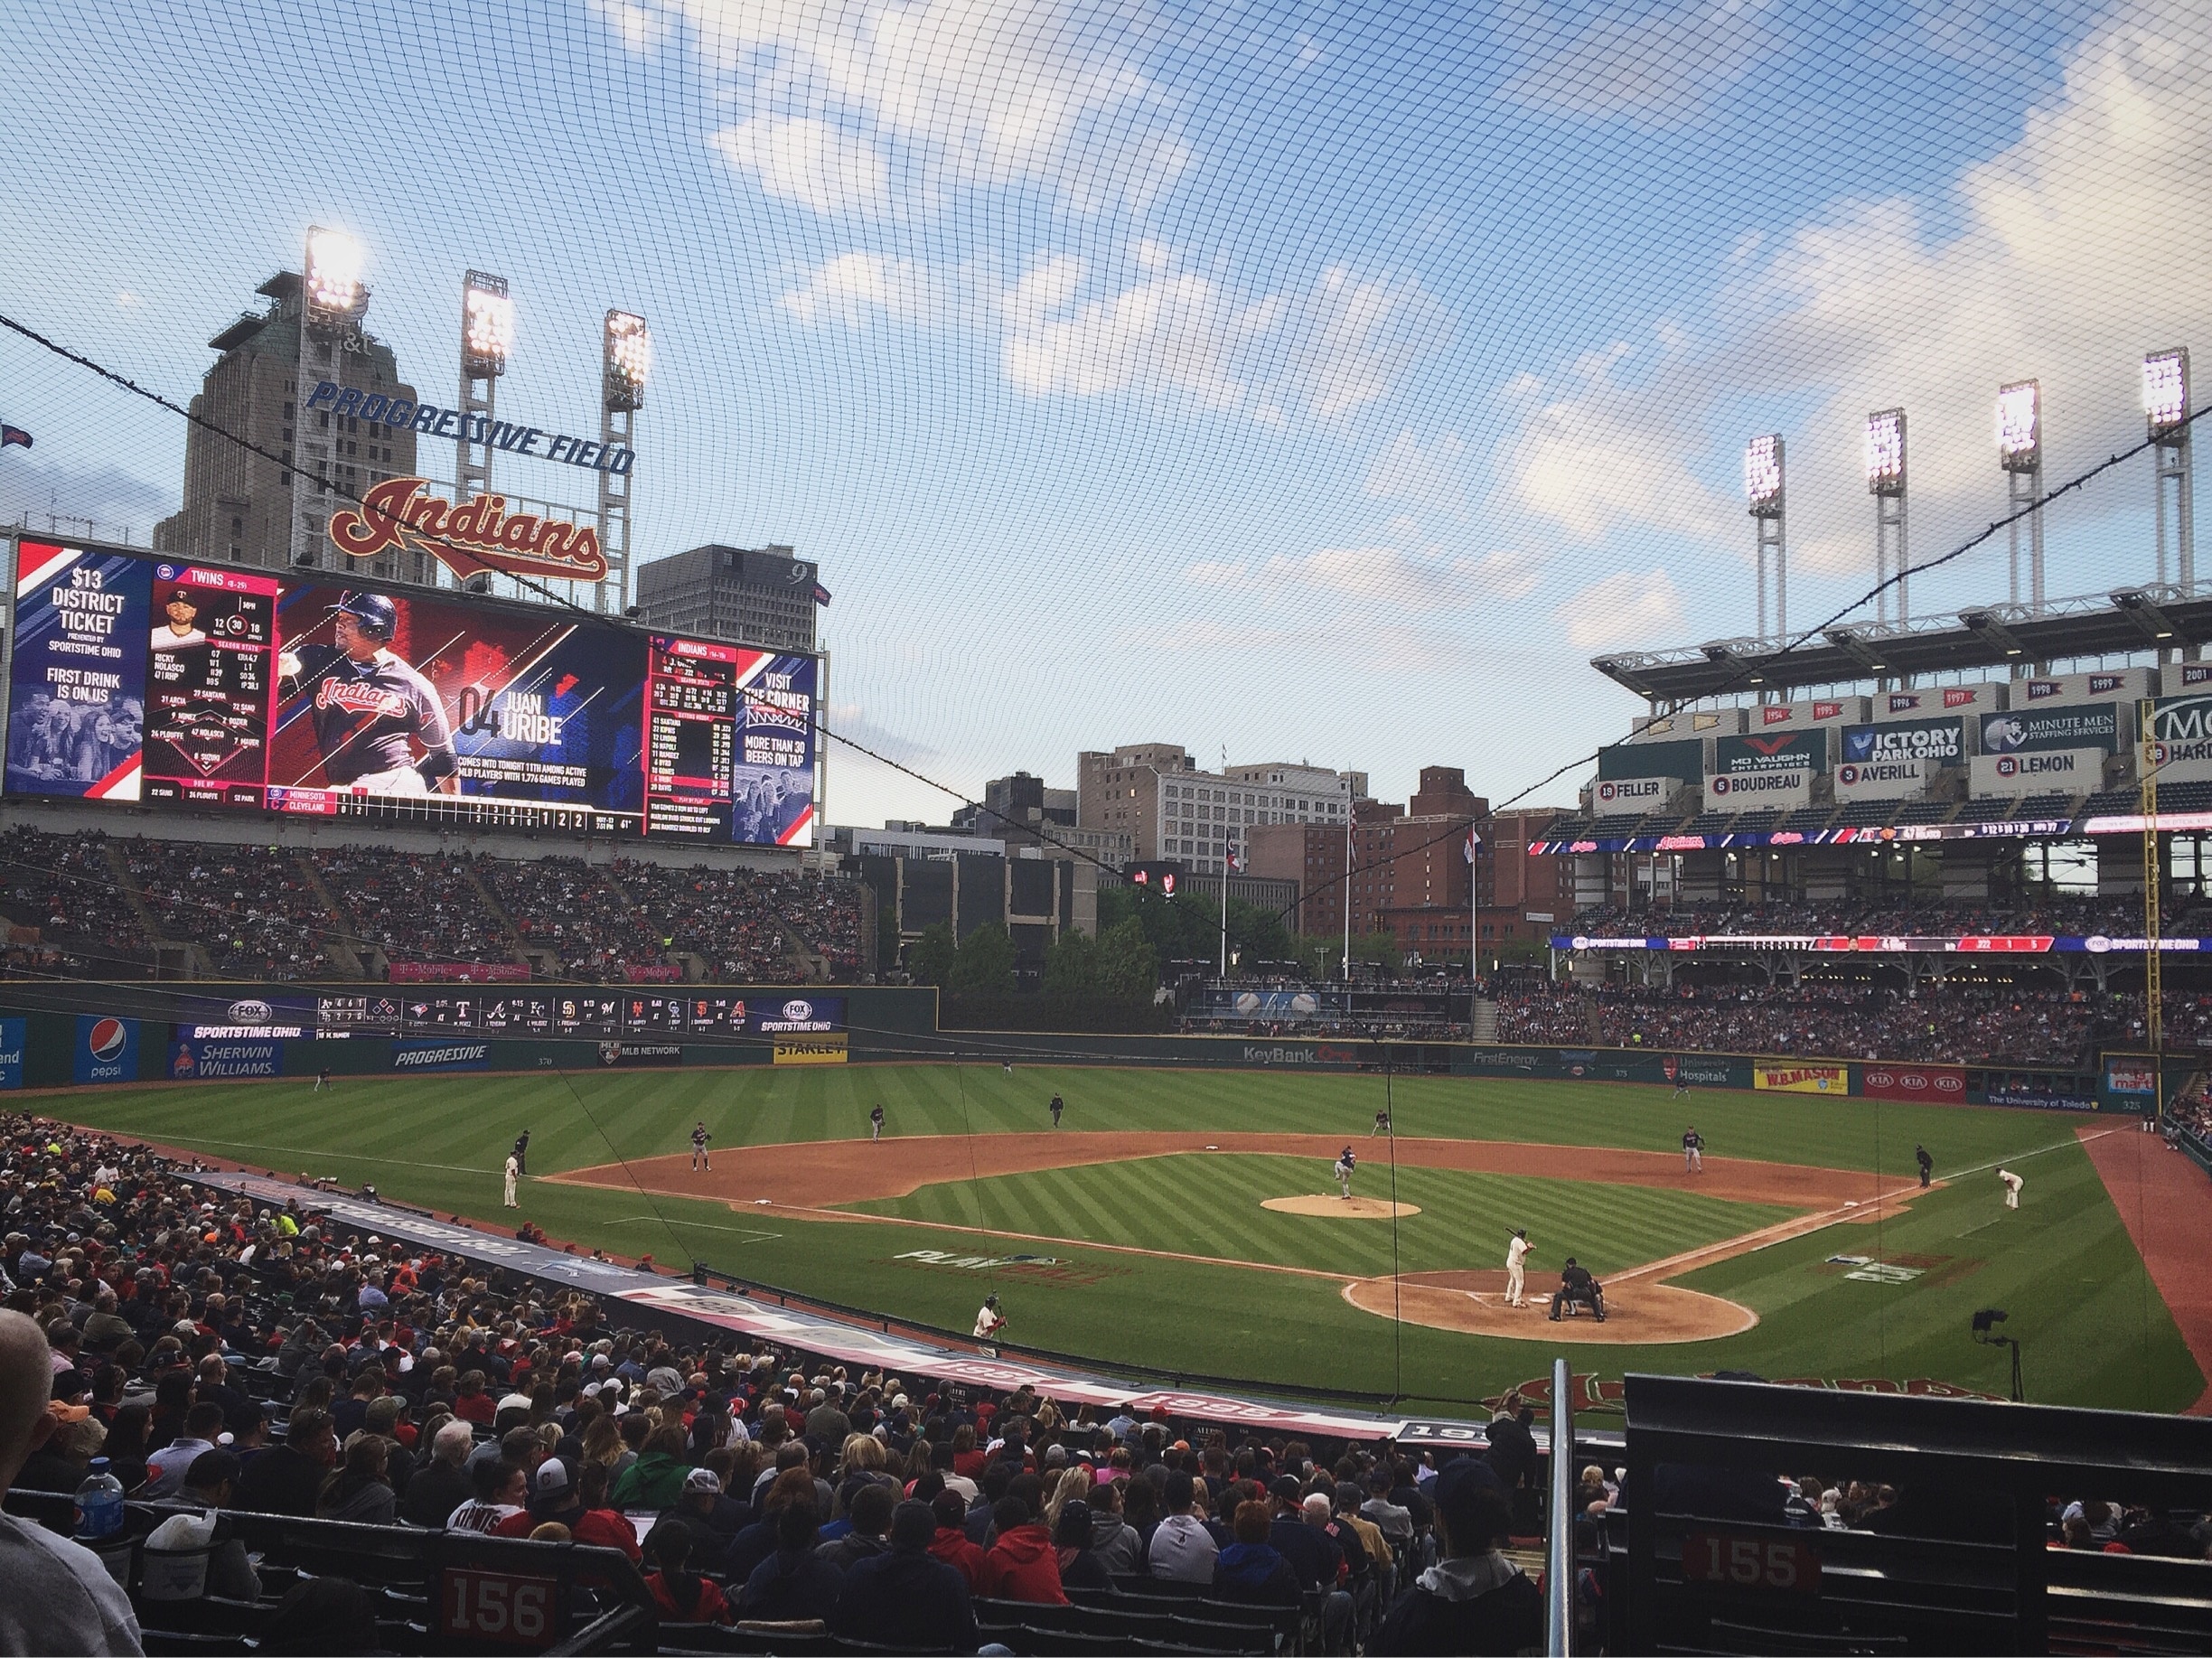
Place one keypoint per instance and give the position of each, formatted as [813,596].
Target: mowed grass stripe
[1212,1204]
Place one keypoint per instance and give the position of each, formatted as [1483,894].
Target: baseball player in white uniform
[1517,1266]
[989,1320]
[1344,1166]
[2013,1184]
[514,1170]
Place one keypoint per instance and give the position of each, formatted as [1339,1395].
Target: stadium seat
[1032,1642]
[176,1643]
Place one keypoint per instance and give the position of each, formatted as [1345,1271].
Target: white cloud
[1431,477]
[2064,257]
[127,301]
[983,93]
[856,287]
[640,28]
[1344,342]
[833,171]
[1428,580]
[1656,64]
[1629,608]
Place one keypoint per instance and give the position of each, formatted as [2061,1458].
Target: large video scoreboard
[140,679]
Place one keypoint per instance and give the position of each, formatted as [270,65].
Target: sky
[1295,382]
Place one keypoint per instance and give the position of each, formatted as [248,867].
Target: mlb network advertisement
[141,679]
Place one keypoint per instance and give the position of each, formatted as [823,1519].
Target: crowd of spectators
[64,889]
[1922,917]
[414,906]
[238,1356]
[1542,1013]
[578,912]
[826,916]
[253,909]
[731,917]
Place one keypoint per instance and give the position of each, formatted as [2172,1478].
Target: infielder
[1058,1105]
[1382,1125]
[514,1170]
[1345,1164]
[700,1137]
[1693,1152]
[371,708]
[1927,1162]
[1517,1266]
[2013,1184]
[876,1123]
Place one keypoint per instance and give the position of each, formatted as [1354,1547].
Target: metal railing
[1559,1555]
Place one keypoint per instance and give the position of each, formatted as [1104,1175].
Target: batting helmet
[372,613]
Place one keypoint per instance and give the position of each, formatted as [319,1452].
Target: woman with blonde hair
[603,1443]
[1074,1483]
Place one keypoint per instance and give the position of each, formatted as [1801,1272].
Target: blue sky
[1317,382]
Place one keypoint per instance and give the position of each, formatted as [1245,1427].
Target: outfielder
[1517,1266]
[1344,1166]
[1382,1125]
[514,1168]
[371,708]
[1058,1105]
[700,1137]
[2013,1184]
[1693,1152]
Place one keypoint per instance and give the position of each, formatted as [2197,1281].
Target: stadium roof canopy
[2126,621]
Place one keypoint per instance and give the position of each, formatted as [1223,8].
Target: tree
[929,959]
[984,963]
[1071,967]
[1126,966]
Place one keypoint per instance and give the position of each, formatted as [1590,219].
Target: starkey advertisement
[143,678]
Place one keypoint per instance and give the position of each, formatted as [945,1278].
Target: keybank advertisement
[106,1049]
[14,1034]
[207,1058]
[141,679]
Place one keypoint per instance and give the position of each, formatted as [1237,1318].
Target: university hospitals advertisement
[140,679]
[2183,728]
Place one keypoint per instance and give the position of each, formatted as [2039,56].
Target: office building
[239,503]
[1172,811]
[765,597]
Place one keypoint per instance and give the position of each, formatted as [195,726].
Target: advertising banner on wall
[1683,759]
[2063,771]
[441,1056]
[1771,751]
[14,1034]
[1931,742]
[106,1049]
[1918,1084]
[192,1058]
[76,688]
[829,1049]
[1769,1077]
[2103,726]
[2182,727]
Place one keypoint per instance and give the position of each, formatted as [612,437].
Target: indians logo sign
[481,535]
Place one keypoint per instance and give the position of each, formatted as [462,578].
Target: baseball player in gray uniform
[369,706]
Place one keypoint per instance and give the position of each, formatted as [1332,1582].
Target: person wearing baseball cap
[369,706]
[1474,1600]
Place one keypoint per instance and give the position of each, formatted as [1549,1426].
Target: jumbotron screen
[139,679]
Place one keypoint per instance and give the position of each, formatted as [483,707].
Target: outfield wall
[62,1035]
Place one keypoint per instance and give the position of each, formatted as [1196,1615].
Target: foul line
[752,1235]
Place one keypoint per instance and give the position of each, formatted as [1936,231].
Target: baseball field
[1187,1222]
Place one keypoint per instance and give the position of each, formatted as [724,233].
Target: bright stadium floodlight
[2019,427]
[487,324]
[2166,411]
[1885,476]
[1763,494]
[1763,475]
[2019,450]
[2166,391]
[629,360]
[332,281]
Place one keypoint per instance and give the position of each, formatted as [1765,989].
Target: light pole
[487,337]
[333,298]
[2166,410]
[625,362]
[1763,480]
[2020,452]
[1885,475]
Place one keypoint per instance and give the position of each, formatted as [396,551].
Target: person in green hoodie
[655,1480]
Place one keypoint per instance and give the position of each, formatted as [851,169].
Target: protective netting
[1313,381]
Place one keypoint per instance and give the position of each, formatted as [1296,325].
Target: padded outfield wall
[60,1035]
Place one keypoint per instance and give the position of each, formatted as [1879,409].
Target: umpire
[1576,1287]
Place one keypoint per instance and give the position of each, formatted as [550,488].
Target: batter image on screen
[376,719]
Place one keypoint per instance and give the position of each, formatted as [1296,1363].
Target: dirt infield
[815,1176]
[821,1174]
[2165,1200]
[1341,1208]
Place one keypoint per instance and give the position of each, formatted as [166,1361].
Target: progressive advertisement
[141,679]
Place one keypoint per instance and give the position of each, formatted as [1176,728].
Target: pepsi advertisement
[106,1049]
[146,679]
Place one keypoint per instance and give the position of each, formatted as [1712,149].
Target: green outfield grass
[2096,1332]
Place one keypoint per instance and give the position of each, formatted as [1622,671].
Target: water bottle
[99,1504]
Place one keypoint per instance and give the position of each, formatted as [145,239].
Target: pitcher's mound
[1342,1208]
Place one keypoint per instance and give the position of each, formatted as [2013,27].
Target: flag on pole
[1473,841]
[14,435]
[1236,859]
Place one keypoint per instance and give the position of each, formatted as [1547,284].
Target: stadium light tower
[1885,475]
[487,339]
[2019,450]
[1763,492]
[2166,411]
[625,362]
[333,298]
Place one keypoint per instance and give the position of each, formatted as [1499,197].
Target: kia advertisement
[1915,1084]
